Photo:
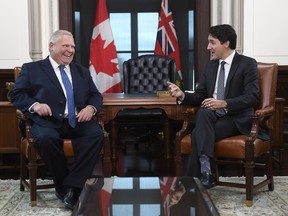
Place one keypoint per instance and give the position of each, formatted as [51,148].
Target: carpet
[228,201]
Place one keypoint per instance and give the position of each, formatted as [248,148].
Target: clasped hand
[86,114]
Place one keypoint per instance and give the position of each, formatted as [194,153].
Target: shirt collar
[54,64]
[229,59]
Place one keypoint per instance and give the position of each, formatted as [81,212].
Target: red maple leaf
[101,58]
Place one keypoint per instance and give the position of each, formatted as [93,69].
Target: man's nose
[208,47]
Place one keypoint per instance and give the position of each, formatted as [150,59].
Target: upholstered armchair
[243,150]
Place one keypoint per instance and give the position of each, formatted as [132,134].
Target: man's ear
[226,43]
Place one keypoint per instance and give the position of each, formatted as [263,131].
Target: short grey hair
[57,34]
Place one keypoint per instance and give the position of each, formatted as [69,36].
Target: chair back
[267,85]
[17,71]
[148,74]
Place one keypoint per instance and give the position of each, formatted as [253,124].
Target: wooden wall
[6,75]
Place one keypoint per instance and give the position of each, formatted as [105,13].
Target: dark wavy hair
[224,33]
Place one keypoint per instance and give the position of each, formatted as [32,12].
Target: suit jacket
[241,91]
[38,82]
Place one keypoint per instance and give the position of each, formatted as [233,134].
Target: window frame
[202,24]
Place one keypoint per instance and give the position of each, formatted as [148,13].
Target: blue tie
[70,97]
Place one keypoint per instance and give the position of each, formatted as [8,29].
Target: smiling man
[61,99]
[226,94]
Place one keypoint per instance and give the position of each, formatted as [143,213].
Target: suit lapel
[74,75]
[49,71]
[213,76]
[233,69]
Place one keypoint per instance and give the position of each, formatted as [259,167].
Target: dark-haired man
[227,92]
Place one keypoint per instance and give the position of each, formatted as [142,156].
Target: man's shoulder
[246,58]
[76,67]
[35,63]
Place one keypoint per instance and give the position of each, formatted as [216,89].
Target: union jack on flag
[166,41]
[167,188]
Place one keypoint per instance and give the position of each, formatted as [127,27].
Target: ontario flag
[103,63]
[167,188]
[166,41]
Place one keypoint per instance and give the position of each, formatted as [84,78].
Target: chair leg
[269,171]
[106,160]
[249,173]
[23,171]
[32,167]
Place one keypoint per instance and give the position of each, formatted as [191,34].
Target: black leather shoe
[208,180]
[71,197]
[60,195]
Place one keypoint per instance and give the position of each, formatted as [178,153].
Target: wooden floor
[138,160]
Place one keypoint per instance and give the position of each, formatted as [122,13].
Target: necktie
[221,89]
[220,86]
[70,96]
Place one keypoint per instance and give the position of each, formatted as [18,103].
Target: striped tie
[220,86]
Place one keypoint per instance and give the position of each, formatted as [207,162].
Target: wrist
[225,104]
[94,110]
[181,98]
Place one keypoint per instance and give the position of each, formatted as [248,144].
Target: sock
[205,164]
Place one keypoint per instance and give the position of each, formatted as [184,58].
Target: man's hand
[176,196]
[213,104]
[41,109]
[86,114]
[175,91]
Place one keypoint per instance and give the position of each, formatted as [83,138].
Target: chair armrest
[265,117]
[20,115]
[261,120]
[188,116]
[265,112]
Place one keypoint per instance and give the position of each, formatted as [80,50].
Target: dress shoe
[71,197]
[60,195]
[208,180]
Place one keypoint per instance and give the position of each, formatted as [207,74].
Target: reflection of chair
[243,150]
[146,74]
[30,160]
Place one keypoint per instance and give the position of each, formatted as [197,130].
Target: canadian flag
[103,63]
[105,196]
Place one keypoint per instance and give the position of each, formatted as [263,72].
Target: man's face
[63,50]
[217,50]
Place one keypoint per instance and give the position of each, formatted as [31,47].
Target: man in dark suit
[225,115]
[41,94]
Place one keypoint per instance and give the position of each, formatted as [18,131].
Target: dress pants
[208,128]
[87,140]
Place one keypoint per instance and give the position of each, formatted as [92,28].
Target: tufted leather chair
[30,160]
[241,150]
[146,74]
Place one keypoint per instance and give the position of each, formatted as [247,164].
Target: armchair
[243,150]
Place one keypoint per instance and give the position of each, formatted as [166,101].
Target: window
[136,196]
[134,25]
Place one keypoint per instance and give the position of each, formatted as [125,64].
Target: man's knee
[203,114]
